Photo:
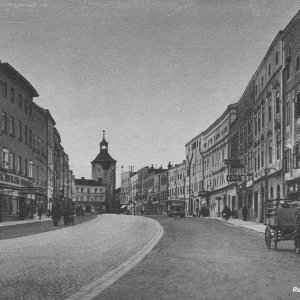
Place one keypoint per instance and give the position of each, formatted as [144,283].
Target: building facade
[90,195]
[27,142]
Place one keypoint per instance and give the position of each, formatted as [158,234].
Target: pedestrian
[40,212]
[226,213]
[245,213]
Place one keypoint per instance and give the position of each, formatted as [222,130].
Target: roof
[103,156]
[14,72]
[90,182]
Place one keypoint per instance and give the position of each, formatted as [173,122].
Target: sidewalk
[20,222]
[258,227]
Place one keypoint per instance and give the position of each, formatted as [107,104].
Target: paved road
[60,264]
[208,259]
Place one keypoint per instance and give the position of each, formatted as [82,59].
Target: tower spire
[103,134]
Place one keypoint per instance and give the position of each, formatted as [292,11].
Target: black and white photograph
[150,149]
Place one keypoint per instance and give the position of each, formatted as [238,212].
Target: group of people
[203,211]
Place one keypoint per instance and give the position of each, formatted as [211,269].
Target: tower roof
[103,156]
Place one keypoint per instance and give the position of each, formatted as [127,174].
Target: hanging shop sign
[234,177]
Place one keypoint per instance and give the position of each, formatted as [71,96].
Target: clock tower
[104,171]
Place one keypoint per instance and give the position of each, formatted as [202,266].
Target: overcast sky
[153,74]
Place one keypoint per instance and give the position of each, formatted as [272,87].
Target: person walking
[40,212]
[245,213]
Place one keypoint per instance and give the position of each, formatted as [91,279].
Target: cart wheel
[268,237]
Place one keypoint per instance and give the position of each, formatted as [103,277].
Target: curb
[94,288]
[236,225]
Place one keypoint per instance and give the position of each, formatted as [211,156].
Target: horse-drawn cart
[280,221]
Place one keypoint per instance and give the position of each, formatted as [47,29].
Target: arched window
[271,192]
[262,156]
[270,151]
[270,110]
[278,146]
[278,191]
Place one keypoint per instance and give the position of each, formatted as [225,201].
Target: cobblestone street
[200,258]
[57,264]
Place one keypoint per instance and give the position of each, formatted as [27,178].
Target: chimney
[169,165]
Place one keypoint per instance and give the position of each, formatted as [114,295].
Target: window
[297,156]
[30,173]
[26,167]
[256,89]
[12,161]
[4,88]
[270,110]
[287,160]
[271,193]
[26,106]
[277,102]
[276,58]
[20,130]
[12,94]
[288,113]
[12,126]
[270,152]
[262,81]
[255,125]
[288,72]
[4,123]
[19,164]
[297,108]
[262,156]
[258,122]
[37,172]
[263,117]
[298,63]
[30,138]
[26,134]
[5,162]
[278,146]
[258,159]
[269,70]
[20,100]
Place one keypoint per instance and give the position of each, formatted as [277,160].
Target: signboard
[202,193]
[232,162]
[234,177]
[239,166]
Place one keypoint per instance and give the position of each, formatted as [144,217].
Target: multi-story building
[27,143]
[291,100]
[23,165]
[206,168]
[90,195]
[161,190]
[126,196]
[134,208]
[177,182]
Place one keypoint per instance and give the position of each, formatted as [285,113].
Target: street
[201,258]
[58,264]
[108,258]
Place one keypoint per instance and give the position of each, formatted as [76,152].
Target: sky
[152,74]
